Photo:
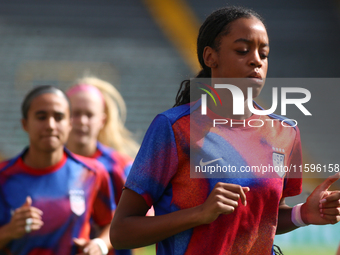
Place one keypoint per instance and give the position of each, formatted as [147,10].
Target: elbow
[116,237]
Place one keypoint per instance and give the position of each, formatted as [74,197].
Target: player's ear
[70,120]
[24,124]
[70,125]
[210,57]
[104,119]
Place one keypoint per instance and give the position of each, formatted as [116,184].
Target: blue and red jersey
[161,174]
[68,193]
[117,164]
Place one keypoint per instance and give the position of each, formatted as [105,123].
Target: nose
[51,123]
[83,119]
[256,59]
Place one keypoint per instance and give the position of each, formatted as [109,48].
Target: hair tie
[86,88]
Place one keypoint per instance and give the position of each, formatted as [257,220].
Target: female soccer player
[98,115]
[47,194]
[237,214]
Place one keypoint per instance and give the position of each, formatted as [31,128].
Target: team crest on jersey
[77,201]
[278,163]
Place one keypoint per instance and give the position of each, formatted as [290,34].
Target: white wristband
[101,245]
[296,216]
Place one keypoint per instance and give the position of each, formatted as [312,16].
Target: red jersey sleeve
[103,206]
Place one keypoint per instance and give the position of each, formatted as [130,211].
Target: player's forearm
[285,223]
[137,231]
[5,236]
[105,236]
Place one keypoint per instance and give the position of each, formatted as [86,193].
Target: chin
[82,142]
[256,92]
[51,149]
[52,146]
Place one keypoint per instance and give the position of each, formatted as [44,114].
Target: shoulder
[176,113]
[284,121]
[111,152]
[105,150]
[113,155]
[7,164]
[89,163]
[121,157]
[169,120]
[166,124]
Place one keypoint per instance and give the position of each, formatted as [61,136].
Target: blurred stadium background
[146,48]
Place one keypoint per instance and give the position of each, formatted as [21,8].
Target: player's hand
[24,220]
[322,206]
[223,199]
[87,247]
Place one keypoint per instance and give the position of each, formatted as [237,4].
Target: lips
[256,79]
[49,136]
[80,132]
[255,75]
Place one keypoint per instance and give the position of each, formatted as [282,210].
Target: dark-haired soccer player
[47,194]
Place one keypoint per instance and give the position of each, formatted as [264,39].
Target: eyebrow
[40,112]
[45,112]
[249,41]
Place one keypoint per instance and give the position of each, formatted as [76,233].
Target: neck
[226,110]
[38,159]
[86,150]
